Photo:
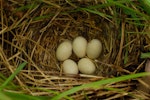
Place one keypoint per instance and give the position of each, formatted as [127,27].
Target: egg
[79,46]
[64,50]
[86,66]
[70,67]
[94,48]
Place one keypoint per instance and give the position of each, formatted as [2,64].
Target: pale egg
[86,66]
[94,48]
[70,67]
[79,46]
[64,50]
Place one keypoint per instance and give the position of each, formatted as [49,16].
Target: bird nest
[32,35]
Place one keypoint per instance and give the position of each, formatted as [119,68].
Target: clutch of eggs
[81,48]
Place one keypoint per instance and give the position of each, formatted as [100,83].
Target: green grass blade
[4,97]
[129,9]
[26,7]
[98,84]
[108,4]
[11,85]
[146,5]
[19,96]
[9,79]
[145,55]
[97,12]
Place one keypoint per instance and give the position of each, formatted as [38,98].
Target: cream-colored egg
[86,66]
[64,50]
[70,67]
[94,48]
[79,46]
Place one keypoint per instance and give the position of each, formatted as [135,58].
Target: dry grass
[33,31]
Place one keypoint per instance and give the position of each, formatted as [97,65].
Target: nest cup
[44,40]
[40,41]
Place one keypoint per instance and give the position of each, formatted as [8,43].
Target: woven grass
[31,32]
